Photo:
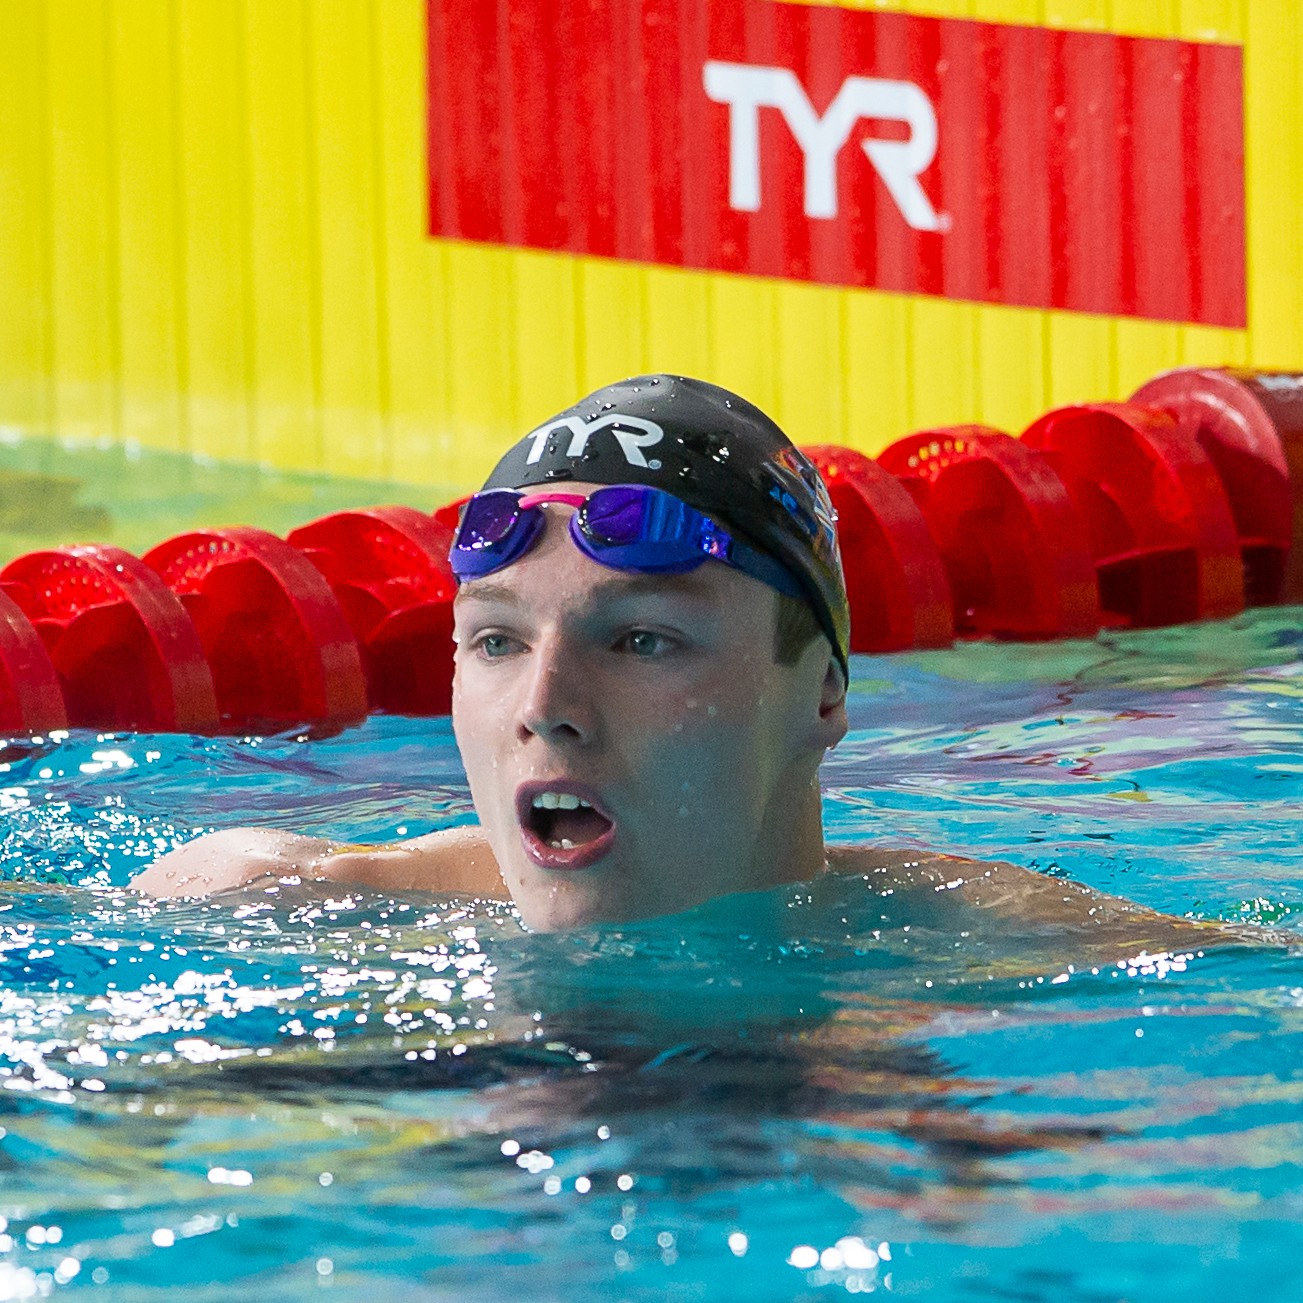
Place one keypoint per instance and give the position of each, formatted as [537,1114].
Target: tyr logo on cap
[632,433]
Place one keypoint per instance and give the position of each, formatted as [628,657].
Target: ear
[832,706]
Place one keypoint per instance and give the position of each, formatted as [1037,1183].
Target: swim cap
[711,449]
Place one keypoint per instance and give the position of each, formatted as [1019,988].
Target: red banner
[970,160]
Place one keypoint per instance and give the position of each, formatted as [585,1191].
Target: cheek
[476,726]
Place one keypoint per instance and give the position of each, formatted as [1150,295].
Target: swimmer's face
[632,747]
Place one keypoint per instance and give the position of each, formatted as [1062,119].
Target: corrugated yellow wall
[212,239]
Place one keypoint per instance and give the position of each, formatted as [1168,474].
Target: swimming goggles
[624,526]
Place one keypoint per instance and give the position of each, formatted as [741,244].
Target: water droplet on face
[712,711]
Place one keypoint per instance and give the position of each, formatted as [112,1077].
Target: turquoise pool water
[783,1096]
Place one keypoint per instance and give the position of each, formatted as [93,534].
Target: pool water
[782,1096]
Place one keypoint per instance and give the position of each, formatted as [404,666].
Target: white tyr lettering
[746,89]
[632,433]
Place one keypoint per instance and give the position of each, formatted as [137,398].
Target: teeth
[565,844]
[560,801]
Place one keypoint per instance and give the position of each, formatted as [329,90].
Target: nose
[555,704]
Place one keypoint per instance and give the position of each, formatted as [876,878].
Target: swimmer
[652,643]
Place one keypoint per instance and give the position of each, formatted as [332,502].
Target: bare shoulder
[455,860]
[1036,902]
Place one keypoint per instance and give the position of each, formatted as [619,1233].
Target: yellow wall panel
[1146,17]
[25,323]
[678,335]
[1081,364]
[541,368]
[808,362]
[143,43]
[342,139]
[877,358]
[610,333]
[1211,20]
[214,203]
[1012,367]
[945,337]
[1144,349]
[82,214]
[1274,180]
[284,264]
[744,337]
[482,392]
[1080,15]
[413,268]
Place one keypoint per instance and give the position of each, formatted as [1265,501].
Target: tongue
[575,826]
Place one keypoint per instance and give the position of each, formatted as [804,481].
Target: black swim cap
[711,449]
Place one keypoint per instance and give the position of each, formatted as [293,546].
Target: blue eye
[644,643]
[493,646]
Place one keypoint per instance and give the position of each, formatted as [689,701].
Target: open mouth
[562,826]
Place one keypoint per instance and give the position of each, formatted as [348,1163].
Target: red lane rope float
[278,642]
[126,653]
[449,515]
[1160,526]
[1250,423]
[895,577]
[389,568]
[31,700]
[1016,553]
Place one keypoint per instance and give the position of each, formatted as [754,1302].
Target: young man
[652,642]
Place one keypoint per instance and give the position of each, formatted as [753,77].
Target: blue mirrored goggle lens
[613,517]
[493,533]
[489,518]
[634,527]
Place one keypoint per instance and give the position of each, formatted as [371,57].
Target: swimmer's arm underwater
[456,861]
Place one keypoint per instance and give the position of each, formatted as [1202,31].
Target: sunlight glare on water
[795,1094]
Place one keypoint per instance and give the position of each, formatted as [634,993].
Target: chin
[549,906]
[559,911]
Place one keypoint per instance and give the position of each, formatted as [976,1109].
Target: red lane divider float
[126,653]
[1160,527]
[1017,556]
[389,568]
[1251,426]
[31,700]
[274,633]
[895,577]
[449,515]
[1166,509]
